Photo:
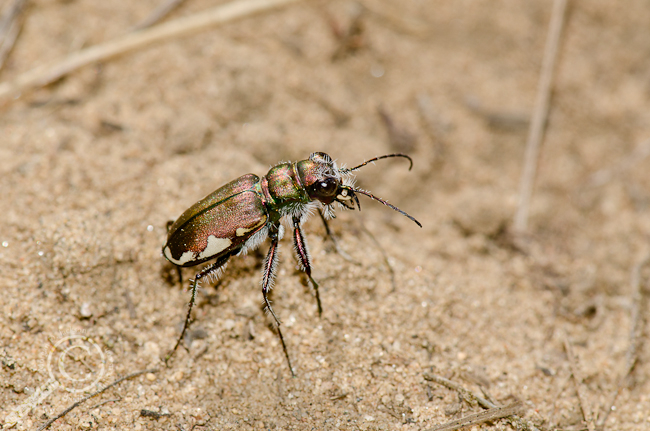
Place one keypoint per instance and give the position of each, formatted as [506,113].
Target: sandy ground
[93,166]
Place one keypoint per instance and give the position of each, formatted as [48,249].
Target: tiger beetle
[240,215]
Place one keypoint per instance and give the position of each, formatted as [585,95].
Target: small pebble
[84,311]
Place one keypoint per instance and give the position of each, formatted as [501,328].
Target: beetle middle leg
[195,284]
[303,258]
[268,276]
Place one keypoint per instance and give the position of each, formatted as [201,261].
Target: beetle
[240,215]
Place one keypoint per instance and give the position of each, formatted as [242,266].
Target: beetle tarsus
[195,284]
[286,352]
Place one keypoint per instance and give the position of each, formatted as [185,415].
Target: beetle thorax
[282,187]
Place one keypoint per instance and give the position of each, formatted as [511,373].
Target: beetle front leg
[195,283]
[303,258]
[332,238]
[268,276]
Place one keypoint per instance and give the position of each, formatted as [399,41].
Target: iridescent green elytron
[243,213]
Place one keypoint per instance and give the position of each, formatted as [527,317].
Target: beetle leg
[268,275]
[332,238]
[303,258]
[195,284]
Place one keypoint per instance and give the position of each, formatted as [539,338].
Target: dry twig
[47,424]
[540,115]
[467,395]
[473,399]
[105,402]
[10,25]
[587,412]
[479,418]
[47,74]
[158,13]
[631,356]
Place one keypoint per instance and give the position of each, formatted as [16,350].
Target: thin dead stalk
[470,397]
[10,25]
[631,355]
[540,115]
[94,394]
[473,399]
[587,412]
[479,418]
[158,13]
[47,74]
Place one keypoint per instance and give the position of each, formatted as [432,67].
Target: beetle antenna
[371,196]
[346,170]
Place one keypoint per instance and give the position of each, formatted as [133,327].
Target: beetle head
[321,177]
[327,183]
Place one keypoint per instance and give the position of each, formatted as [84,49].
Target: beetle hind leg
[209,270]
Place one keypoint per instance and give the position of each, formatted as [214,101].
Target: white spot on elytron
[241,231]
[215,246]
[185,257]
[150,228]
[5,243]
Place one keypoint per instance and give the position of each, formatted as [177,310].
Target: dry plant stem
[105,402]
[473,399]
[587,412]
[394,17]
[540,115]
[468,396]
[563,385]
[158,13]
[94,394]
[10,25]
[9,16]
[47,74]
[631,356]
[479,418]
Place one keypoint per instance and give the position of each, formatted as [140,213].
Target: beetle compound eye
[327,187]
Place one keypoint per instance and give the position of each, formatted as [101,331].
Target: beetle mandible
[240,215]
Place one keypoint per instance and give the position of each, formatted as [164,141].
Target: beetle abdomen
[218,224]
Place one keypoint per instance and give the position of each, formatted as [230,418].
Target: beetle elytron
[240,215]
